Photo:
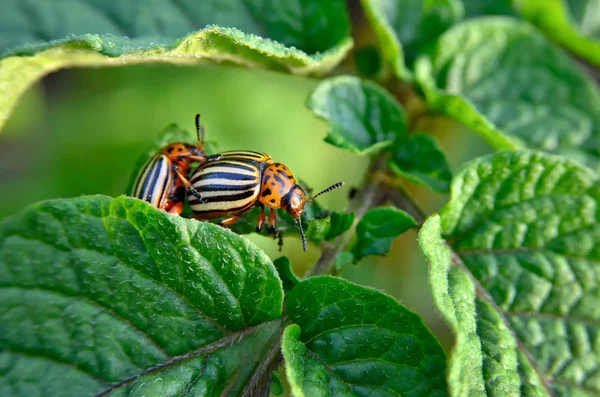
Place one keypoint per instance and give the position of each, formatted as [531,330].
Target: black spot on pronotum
[266,192]
[169,150]
[272,201]
[272,183]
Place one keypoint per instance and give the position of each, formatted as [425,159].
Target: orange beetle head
[293,201]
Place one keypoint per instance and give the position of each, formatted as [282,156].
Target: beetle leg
[273,220]
[279,235]
[228,221]
[176,208]
[261,219]
[188,185]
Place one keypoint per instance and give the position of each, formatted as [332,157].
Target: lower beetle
[161,180]
[238,181]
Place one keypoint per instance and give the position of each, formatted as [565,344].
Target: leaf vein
[96,304]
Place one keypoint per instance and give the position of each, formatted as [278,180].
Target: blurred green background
[80,132]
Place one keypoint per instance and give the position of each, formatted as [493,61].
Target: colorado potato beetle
[162,180]
[238,181]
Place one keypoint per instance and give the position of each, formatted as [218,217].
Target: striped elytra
[229,185]
[155,182]
[238,181]
[162,181]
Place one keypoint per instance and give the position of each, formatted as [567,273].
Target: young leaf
[420,159]
[286,273]
[311,37]
[354,341]
[404,27]
[276,385]
[362,116]
[504,80]
[518,278]
[571,23]
[104,295]
[378,228]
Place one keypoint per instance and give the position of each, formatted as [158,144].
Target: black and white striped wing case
[229,185]
[154,181]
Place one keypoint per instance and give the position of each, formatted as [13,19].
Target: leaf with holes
[363,117]
[503,79]
[574,24]
[405,27]
[103,295]
[350,340]
[39,37]
[518,278]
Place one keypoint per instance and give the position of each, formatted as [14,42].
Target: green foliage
[349,340]
[362,117]
[109,296]
[319,225]
[475,8]
[112,294]
[276,385]
[520,286]
[311,37]
[420,159]
[505,81]
[404,27]
[286,273]
[378,228]
[573,24]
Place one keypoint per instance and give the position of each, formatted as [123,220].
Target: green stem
[376,192]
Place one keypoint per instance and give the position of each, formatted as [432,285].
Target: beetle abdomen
[229,185]
[155,181]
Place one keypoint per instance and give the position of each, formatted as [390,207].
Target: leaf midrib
[232,337]
[92,302]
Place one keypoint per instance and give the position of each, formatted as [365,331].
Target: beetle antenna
[299,221]
[330,188]
[199,131]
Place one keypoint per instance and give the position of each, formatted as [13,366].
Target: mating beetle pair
[229,183]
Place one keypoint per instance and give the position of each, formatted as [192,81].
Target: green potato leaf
[111,296]
[363,117]
[350,340]
[286,273]
[476,8]
[319,224]
[378,228]
[504,80]
[573,24]
[517,278]
[39,37]
[420,159]
[404,27]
